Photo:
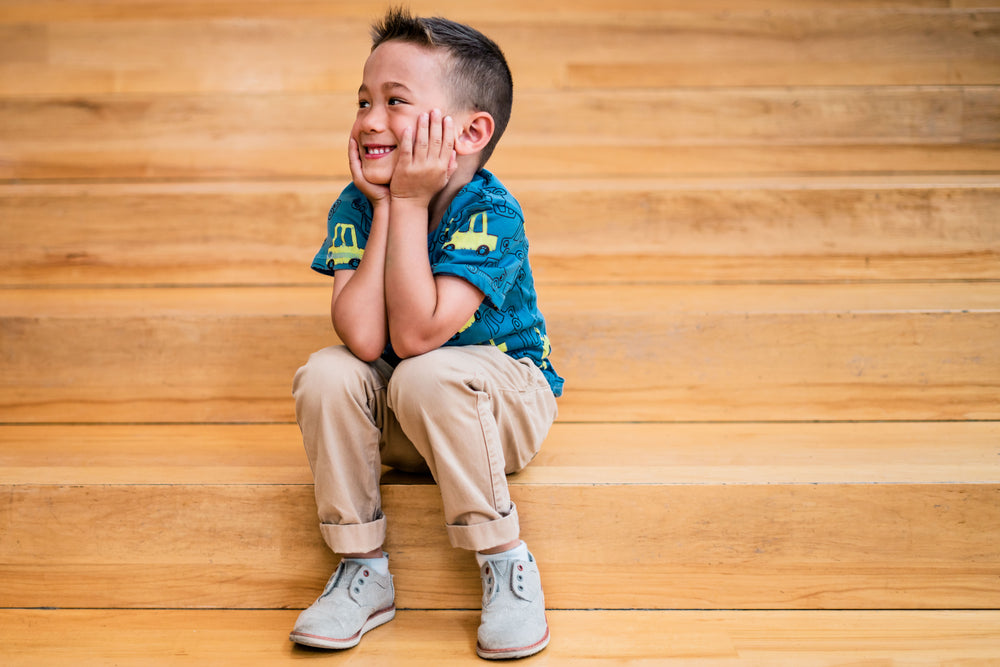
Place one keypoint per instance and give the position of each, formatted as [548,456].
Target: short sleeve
[487,247]
[348,225]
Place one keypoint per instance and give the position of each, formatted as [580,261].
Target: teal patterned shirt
[480,239]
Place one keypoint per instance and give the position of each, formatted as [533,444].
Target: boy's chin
[377,177]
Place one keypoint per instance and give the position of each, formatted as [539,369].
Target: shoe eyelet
[520,567]
[366,573]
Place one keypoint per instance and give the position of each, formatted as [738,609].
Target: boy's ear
[477,132]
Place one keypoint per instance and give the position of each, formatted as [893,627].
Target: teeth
[379,150]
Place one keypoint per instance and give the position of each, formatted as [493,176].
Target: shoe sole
[316,641]
[513,653]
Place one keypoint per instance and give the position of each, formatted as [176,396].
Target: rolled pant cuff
[487,535]
[356,538]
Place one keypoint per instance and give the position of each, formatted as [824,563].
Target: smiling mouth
[378,151]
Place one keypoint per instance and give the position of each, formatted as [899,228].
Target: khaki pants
[468,415]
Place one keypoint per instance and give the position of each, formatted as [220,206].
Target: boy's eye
[396,100]
[363,104]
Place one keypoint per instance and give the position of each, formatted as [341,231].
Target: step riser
[645,546]
[574,161]
[632,366]
[100,234]
[747,47]
[738,116]
[809,131]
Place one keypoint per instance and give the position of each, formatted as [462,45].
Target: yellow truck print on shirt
[344,247]
[477,238]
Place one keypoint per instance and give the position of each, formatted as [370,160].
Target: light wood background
[767,242]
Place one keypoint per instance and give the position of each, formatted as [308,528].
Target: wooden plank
[574,453]
[911,115]
[690,546]
[566,11]
[762,46]
[307,301]
[732,131]
[668,353]
[312,159]
[431,638]
[877,228]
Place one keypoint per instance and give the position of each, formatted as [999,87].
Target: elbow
[366,353]
[409,345]
[405,351]
[365,348]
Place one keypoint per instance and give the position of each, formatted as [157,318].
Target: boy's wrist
[409,203]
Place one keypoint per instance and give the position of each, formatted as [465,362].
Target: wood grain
[573,453]
[568,11]
[766,240]
[752,352]
[647,230]
[431,638]
[690,546]
[758,46]
[705,131]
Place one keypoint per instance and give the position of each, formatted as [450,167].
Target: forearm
[423,310]
[410,288]
[358,307]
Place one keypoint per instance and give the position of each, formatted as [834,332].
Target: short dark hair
[480,77]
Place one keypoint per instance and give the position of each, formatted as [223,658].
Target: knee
[330,372]
[433,376]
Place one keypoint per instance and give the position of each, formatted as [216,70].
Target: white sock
[520,552]
[380,565]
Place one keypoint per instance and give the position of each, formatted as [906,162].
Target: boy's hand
[427,159]
[375,193]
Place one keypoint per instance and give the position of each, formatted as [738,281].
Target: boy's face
[400,82]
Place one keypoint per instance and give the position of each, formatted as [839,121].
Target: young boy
[444,366]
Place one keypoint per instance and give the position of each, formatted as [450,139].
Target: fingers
[406,146]
[427,158]
[425,133]
[448,138]
[435,138]
[354,158]
[434,135]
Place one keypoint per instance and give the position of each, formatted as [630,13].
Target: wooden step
[812,229]
[745,131]
[600,638]
[652,352]
[766,546]
[598,12]
[707,453]
[714,516]
[822,639]
[642,45]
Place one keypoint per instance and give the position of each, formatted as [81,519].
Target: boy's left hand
[427,159]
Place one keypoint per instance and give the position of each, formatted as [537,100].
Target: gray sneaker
[355,600]
[513,623]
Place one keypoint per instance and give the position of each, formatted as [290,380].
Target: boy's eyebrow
[388,86]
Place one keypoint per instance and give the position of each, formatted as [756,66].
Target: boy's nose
[373,120]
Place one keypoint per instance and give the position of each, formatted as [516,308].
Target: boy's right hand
[375,193]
